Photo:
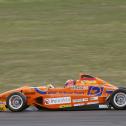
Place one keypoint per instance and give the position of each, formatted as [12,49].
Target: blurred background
[54,40]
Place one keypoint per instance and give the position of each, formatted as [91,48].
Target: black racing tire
[118,99]
[16,102]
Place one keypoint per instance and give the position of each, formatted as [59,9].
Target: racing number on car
[95,91]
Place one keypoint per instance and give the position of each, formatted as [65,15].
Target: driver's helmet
[70,83]
[50,86]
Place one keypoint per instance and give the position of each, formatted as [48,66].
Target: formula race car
[81,94]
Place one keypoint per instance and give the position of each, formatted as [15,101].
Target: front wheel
[118,99]
[16,102]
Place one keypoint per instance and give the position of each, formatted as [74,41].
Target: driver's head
[69,83]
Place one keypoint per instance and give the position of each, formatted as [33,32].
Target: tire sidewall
[112,103]
[22,107]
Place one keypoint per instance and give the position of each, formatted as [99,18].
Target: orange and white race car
[81,94]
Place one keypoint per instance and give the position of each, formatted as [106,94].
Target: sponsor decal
[74,92]
[65,106]
[90,103]
[79,87]
[97,91]
[3,106]
[80,100]
[60,100]
[80,104]
[103,106]
[2,102]
[94,98]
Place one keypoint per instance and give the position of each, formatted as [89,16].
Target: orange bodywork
[83,93]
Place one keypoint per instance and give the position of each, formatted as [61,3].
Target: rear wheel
[16,102]
[118,99]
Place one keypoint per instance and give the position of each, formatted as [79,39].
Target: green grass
[55,40]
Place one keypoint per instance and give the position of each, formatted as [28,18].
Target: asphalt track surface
[64,118]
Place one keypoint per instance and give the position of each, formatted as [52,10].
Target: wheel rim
[120,99]
[15,102]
